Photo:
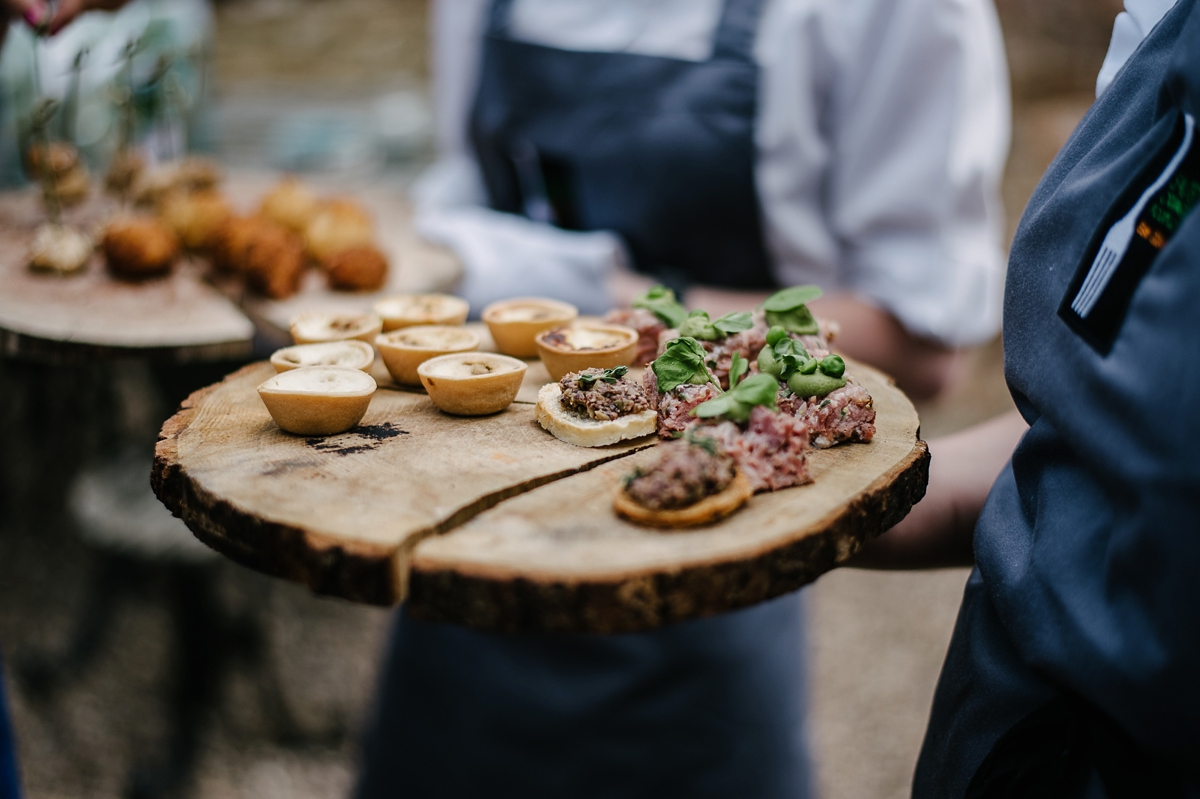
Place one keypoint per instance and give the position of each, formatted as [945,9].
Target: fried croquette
[274,262]
[154,185]
[58,157]
[136,247]
[338,225]
[198,218]
[123,171]
[59,164]
[361,268]
[59,249]
[291,204]
[72,186]
[233,242]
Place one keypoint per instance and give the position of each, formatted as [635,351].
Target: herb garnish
[783,356]
[738,366]
[697,325]
[706,443]
[587,380]
[737,403]
[682,362]
[788,309]
[661,302]
[817,378]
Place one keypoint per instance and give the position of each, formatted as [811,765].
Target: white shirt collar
[1130,28]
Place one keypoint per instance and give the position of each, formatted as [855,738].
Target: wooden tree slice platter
[493,523]
[65,319]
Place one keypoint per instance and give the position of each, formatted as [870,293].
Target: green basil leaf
[737,403]
[790,298]
[661,302]
[735,322]
[681,362]
[698,326]
[796,320]
[738,366]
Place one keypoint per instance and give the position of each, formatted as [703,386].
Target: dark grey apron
[662,151]
[658,149]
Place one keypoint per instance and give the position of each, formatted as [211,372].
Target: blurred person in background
[1073,667]
[726,148]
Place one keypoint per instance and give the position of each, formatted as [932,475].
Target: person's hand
[68,10]
[939,531]
[34,12]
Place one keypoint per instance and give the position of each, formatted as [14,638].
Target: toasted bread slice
[706,510]
[584,432]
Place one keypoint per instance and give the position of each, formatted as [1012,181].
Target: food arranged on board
[738,401]
[177,208]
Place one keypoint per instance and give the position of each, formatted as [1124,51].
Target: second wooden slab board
[493,523]
[79,317]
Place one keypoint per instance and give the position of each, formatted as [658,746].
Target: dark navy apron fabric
[9,785]
[708,709]
[660,150]
[1074,670]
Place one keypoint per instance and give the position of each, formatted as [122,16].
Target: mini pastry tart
[586,345]
[406,310]
[317,326]
[318,400]
[710,509]
[472,383]
[352,354]
[583,431]
[405,349]
[514,324]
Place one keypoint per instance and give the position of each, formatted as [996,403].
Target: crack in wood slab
[361,571]
[632,601]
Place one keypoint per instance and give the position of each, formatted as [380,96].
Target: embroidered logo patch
[1097,301]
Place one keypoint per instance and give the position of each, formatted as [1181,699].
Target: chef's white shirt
[1130,28]
[882,132]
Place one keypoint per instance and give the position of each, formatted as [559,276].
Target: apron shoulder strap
[737,31]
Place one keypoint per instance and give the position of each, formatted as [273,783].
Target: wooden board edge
[645,601]
[356,571]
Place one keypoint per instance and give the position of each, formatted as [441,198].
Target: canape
[515,323]
[318,326]
[406,310]
[586,345]
[405,349]
[472,383]
[353,354]
[318,400]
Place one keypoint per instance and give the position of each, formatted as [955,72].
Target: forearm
[938,532]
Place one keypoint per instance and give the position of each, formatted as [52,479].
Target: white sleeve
[895,141]
[503,255]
